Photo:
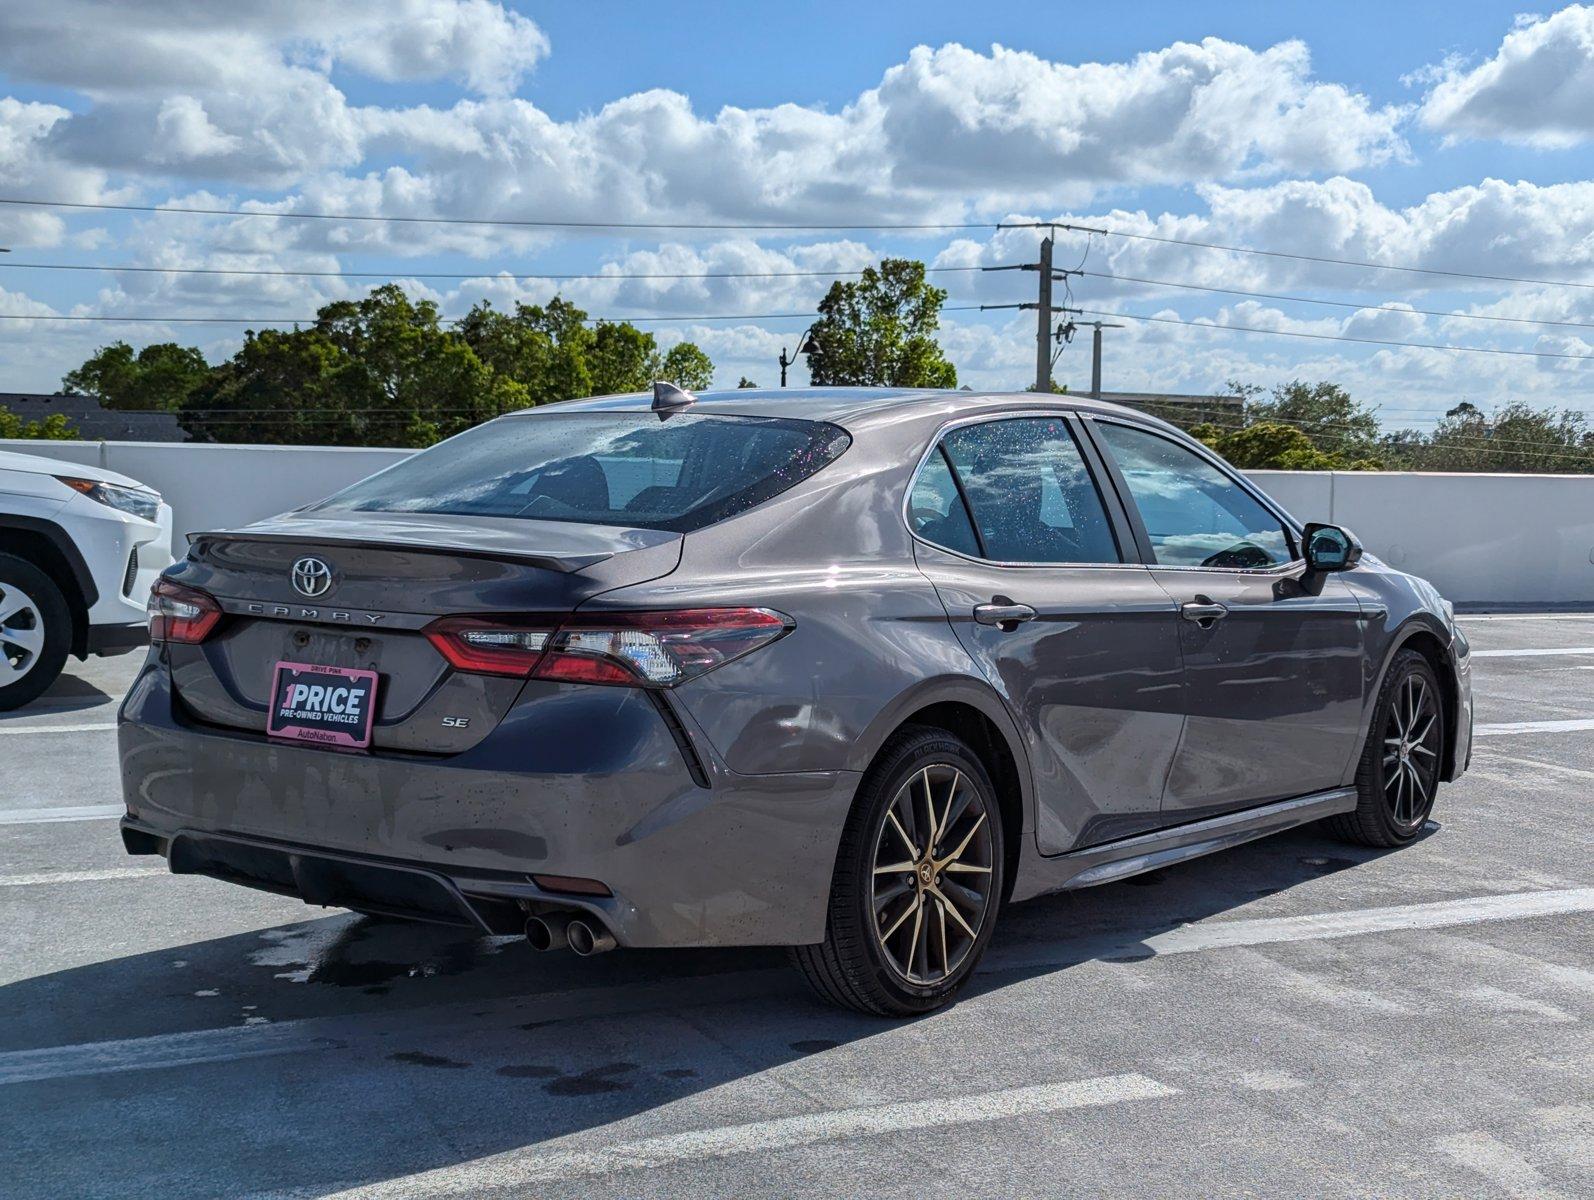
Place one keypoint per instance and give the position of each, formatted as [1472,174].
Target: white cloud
[1537,89]
[244,93]
[1521,230]
[190,91]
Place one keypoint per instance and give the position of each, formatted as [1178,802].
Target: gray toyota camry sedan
[841,670]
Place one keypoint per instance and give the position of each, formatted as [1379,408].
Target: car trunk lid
[386,576]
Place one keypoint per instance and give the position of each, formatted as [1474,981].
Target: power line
[1341,337]
[512,222]
[1426,312]
[620,276]
[1314,258]
[113,320]
[623,276]
[771,226]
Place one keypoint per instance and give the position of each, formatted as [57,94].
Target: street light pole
[1095,358]
[805,345]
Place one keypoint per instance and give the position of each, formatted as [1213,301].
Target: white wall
[218,487]
[1481,539]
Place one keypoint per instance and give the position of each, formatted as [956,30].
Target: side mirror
[1330,548]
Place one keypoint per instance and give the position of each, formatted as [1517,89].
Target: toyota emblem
[312,577]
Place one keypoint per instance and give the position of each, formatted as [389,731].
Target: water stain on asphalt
[419,1059]
[679,1073]
[592,1081]
[529,1071]
[364,954]
[1327,866]
[814,1045]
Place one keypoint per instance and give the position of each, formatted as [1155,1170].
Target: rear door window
[1032,497]
[615,468]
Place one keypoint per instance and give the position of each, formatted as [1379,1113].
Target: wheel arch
[47,546]
[1427,637]
[969,710]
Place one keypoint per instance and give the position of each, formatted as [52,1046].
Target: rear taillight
[648,649]
[491,646]
[181,614]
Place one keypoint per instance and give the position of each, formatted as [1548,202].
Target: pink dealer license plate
[330,705]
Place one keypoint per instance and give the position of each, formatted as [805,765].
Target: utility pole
[1043,306]
[1095,357]
[1043,320]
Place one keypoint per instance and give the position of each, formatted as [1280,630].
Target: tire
[35,631]
[1398,775]
[917,964]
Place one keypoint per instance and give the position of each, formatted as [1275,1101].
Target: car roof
[851,406]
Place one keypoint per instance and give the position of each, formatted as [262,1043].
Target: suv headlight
[140,502]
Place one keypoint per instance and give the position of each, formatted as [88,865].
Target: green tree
[687,366]
[1514,438]
[623,359]
[381,371]
[159,377]
[879,331]
[745,382]
[553,353]
[385,370]
[53,428]
[544,349]
[1269,445]
[1325,412]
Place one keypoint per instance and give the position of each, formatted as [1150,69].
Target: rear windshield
[632,469]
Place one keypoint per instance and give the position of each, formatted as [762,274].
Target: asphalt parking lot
[1293,1018]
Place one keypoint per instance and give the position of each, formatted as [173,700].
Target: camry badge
[312,577]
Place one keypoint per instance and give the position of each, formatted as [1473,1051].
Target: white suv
[79,550]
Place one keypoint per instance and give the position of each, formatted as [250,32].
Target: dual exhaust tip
[557,933]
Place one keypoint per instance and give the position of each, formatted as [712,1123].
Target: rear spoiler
[552,545]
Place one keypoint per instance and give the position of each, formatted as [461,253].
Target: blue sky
[1454,137]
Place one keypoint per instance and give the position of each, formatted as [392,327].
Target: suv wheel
[918,882]
[35,631]
[1399,770]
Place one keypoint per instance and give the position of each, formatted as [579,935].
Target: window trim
[1117,518]
[1287,523]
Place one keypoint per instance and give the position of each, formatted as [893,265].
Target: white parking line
[45,877]
[1469,618]
[513,1170]
[70,812]
[1507,728]
[21,729]
[1216,935]
[1539,652]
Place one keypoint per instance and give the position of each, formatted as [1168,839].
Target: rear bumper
[595,787]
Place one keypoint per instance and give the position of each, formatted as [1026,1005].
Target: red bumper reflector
[571,885]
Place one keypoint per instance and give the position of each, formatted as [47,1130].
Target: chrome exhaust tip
[587,941]
[545,934]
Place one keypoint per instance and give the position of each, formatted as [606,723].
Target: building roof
[92,422]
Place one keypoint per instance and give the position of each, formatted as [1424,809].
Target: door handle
[1204,613]
[1004,616]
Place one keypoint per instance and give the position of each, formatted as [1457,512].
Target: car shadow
[453,1047]
[69,693]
